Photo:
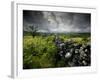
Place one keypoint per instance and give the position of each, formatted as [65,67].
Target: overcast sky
[57,22]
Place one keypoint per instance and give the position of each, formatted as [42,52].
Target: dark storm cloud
[56,21]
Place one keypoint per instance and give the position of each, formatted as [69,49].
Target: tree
[33,30]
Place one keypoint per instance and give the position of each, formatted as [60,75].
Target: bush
[41,51]
[38,52]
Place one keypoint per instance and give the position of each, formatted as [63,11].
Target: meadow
[50,50]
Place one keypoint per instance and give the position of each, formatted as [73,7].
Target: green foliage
[40,51]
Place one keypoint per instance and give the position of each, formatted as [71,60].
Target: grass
[40,51]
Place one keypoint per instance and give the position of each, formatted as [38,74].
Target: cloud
[57,21]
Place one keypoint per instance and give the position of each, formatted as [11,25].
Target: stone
[68,55]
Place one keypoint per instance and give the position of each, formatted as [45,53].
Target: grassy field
[40,51]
